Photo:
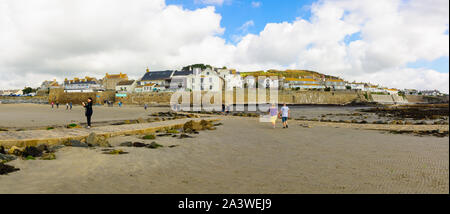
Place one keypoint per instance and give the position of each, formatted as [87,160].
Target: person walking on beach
[70,104]
[145,106]
[53,104]
[67,106]
[273,111]
[57,104]
[89,112]
[285,113]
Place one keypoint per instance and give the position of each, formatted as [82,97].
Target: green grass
[149,137]
[50,128]
[173,131]
[29,157]
[72,125]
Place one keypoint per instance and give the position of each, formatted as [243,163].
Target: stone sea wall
[18,100]
[249,96]
[58,95]
[252,96]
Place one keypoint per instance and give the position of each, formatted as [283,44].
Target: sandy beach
[242,156]
[14,116]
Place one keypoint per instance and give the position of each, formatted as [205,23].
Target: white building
[336,84]
[357,86]
[87,84]
[431,92]
[206,80]
[181,80]
[303,83]
[249,82]
[231,78]
[14,92]
[374,89]
[161,79]
[127,86]
[268,82]
[391,91]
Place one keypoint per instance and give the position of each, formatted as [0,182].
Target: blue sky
[235,13]
[387,35]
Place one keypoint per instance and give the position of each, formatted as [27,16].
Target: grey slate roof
[182,73]
[79,83]
[157,75]
[126,82]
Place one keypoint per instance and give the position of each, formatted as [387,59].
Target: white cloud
[46,39]
[246,25]
[210,2]
[256,4]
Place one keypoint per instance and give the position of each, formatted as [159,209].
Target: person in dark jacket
[89,112]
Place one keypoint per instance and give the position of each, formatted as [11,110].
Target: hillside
[288,74]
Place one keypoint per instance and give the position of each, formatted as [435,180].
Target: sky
[393,43]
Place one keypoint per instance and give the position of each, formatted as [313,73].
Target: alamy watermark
[200,92]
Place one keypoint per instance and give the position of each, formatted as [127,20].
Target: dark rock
[173,146]
[139,144]
[164,135]
[31,151]
[184,136]
[5,169]
[118,123]
[2,150]
[115,152]
[379,122]
[55,148]
[48,156]
[153,145]
[76,143]
[206,124]
[7,158]
[42,147]
[127,144]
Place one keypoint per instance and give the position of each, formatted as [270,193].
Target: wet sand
[38,115]
[245,156]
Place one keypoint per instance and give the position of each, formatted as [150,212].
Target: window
[210,87]
[210,79]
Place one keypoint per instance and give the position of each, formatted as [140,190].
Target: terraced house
[335,84]
[126,86]
[303,83]
[111,80]
[87,84]
[159,79]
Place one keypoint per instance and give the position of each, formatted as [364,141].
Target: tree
[28,90]
[201,66]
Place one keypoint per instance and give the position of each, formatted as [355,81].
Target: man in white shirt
[285,113]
